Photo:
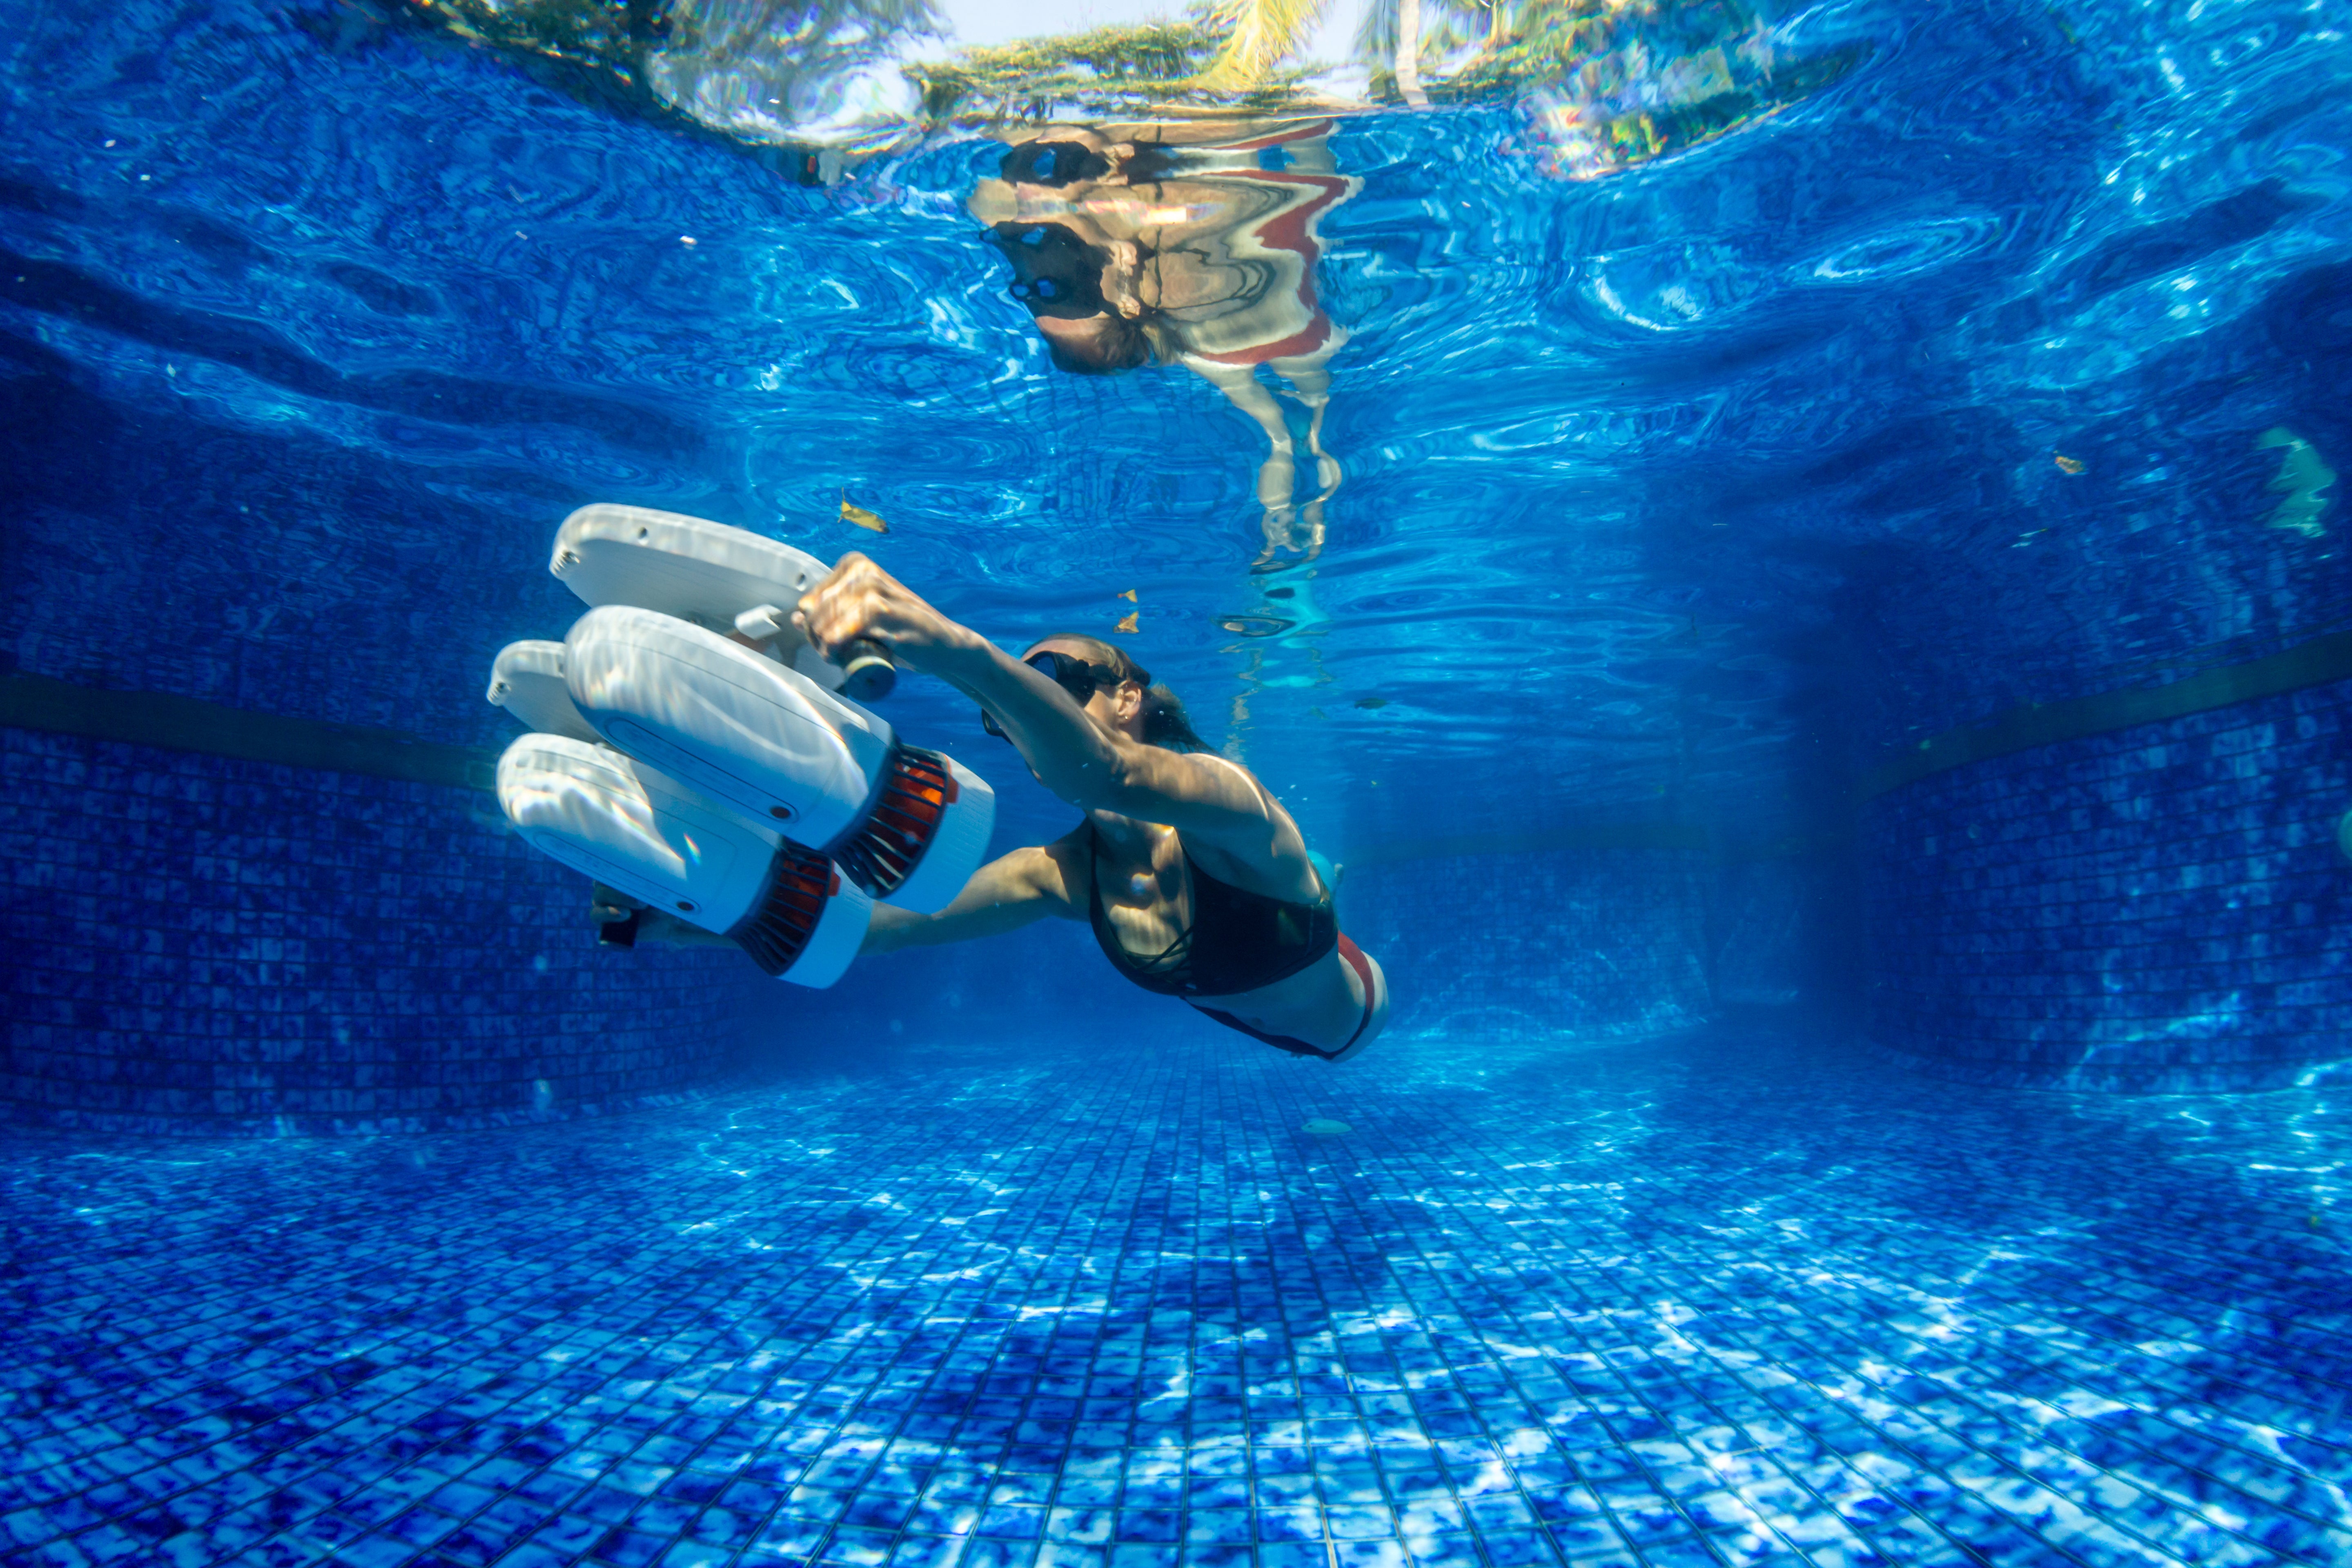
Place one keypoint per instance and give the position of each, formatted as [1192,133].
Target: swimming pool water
[1728,651]
[1658,481]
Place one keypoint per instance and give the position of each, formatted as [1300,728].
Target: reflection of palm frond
[620,36]
[1625,80]
[1445,26]
[1110,70]
[1262,31]
[795,38]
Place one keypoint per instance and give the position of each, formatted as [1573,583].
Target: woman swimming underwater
[1195,880]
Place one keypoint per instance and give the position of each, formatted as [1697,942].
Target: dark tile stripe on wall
[190,724]
[2320,661]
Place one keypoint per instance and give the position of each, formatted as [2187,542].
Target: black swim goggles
[1073,675]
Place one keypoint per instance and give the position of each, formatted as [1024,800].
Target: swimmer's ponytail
[1165,723]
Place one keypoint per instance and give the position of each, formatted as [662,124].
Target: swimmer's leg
[1372,981]
[764,741]
[1277,472]
[1310,383]
[641,835]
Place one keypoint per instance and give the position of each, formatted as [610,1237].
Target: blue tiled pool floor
[1738,1296]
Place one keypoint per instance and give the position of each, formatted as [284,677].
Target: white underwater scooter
[713,774]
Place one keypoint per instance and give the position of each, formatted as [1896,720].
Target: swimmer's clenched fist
[859,599]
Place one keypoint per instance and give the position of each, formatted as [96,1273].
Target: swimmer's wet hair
[1165,723]
[1125,343]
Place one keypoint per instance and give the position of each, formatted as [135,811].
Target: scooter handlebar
[869,676]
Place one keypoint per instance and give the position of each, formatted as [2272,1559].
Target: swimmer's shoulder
[1285,840]
[1219,763]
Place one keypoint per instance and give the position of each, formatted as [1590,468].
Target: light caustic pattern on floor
[1735,1298]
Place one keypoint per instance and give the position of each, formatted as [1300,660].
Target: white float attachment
[585,806]
[699,571]
[527,681]
[906,824]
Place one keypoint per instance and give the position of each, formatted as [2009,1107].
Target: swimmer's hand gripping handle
[870,676]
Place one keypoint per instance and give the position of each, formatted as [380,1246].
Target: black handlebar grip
[869,674]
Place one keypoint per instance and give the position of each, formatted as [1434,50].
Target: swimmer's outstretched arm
[1094,769]
[1005,895]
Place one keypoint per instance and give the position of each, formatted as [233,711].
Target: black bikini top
[1237,941]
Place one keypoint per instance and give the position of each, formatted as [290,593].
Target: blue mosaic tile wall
[1597,944]
[1766,921]
[1621,949]
[2161,907]
[204,945]
[1618,950]
[108,590]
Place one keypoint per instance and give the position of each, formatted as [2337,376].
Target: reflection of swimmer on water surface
[1193,244]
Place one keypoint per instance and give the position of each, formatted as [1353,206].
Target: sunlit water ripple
[1630,466]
